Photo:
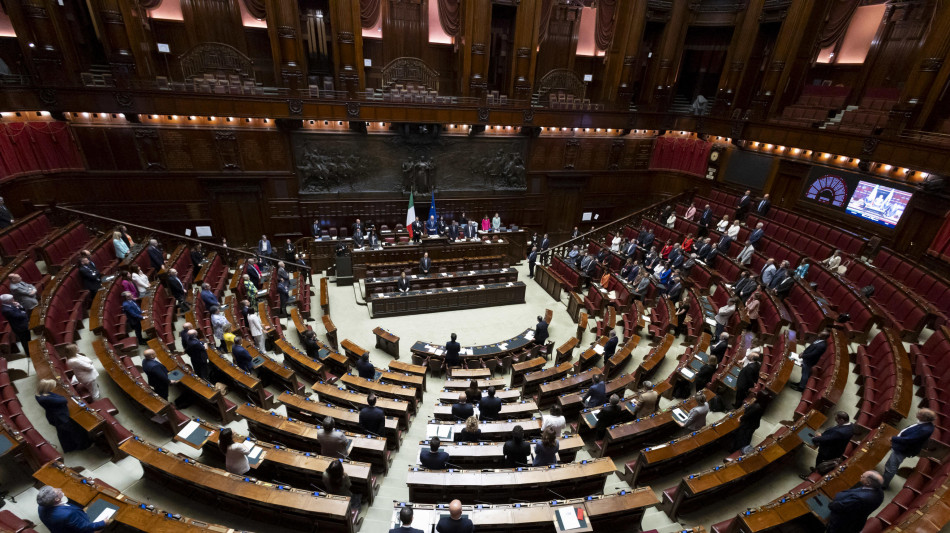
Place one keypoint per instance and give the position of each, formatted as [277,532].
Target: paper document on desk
[105,514]
[481,286]
[255,454]
[599,349]
[710,321]
[688,373]
[444,432]
[680,415]
[568,518]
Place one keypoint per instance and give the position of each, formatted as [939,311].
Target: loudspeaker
[864,165]
[133,118]
[358,126]
[476,129]
[58,115]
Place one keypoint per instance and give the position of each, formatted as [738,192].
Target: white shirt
[615,244]
[254,324]
[141,282]
[733,231]
[671,222]
[557,422]
[236,457]
[82,368]
[723,224]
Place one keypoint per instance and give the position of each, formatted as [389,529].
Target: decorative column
[526,49]
[658,91]
[928,75]
[476,42]
[621,56]
[45,40]
[786,46]
[740,49]
[123,36]
[347,45]
[286,43]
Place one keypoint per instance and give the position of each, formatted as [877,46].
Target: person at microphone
[372,418]
[516,450]
[545,451]
[471,431]
[434,458]
[405,518]
[463,409]
[332,441]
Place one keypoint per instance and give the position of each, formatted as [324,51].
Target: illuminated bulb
[887,167]
[609,130]
[174,117]
[781,148]
[575,129]
[768,146]
[85,115]
[796,151]
[755,144]
[924,175]
[191,117]
[121,115]
[382,124]
[597,130]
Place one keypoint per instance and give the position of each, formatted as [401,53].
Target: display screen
[878,203]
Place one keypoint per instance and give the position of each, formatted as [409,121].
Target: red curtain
[450,16]
[839,17]
[686,155]
[36,147]
[369,13]
[604,28]
[941,243]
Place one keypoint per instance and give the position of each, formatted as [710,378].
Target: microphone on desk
[556,494]
[519,501]
[483,503]
[453,465]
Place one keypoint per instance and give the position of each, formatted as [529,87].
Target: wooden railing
[600,234]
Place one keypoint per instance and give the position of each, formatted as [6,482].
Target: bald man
[851,508]
[455,522]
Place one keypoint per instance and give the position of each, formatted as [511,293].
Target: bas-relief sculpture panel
[397,163]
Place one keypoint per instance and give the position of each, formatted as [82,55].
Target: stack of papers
[599,349]
[687,373]
[444,432]
[568,518]
[255,454]
[680,415]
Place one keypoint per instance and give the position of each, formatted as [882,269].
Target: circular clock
[714,156]
[828,189]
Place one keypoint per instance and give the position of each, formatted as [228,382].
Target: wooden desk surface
[497,349]
[469,373]
[521,409]
[357,400]
[490,454]
[401,392]
[462,384]
[506,395]
[491,431]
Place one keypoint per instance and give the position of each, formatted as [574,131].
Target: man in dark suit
[417,230]
[133,316]
[724,242]
[253,272]
[541,331]
[532,261]
[489,407]
[607,416]
[365,368]
[155,255]
[290,251]
[90,277]
[157,374]
[60,516]
[648,239]
[630,249]
[746,290]
[764,205]
[471,230]
[373,240]
[462,410]
[545,242]
[357,226]
[198,354]
[833,442]
[432,227]
[455,522]
[719,347]
[586,264]
[358,237]
[597,393]
[197,257]
[405,518]
[317,233]
[810,357]
[576,232]
[372,418]
[702,251]
[6,217]
[851,508]
[242,358]
[704,221]
[757,233]
[641,287]
[18,319]
[784,287]
[175,286]
[675,289]
[747,379]
[610,348]
[425,264]
[742,207]
[780,274]
[908,443]
[434,458]
[453,231]
[452,349]
[403,283]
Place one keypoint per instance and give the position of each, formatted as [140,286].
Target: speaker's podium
[344,269]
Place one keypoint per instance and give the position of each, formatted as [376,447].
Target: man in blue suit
[60,516]
[264,248]
[597,393]
[242,358]
[157,374]
[850,508]
[833,442]
[541,331]
[133,315]
[208,297]
[757,234]
[611,347]
[434,458]
[405,517]
[909,442]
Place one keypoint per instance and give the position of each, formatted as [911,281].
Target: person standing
[425,264]
[607,416]
[290,251]
[417,230]
[264,249]
[540,331]
[723,316]
[545,451]
[121,249]
[218,322]
[810,357]
[372,418]
[452,349]
[60,516]
[489,407]
[6,217]
[18,319]
[198,354]
[365,368]
[516,450]
[496,223]
[156,256]
[255,328]
[455,522]
[434,458]
[83,369]
[403,284]
[157,374]
[851,508]
[554,420]
[332,441]
[133,316]
[908,443]
[764,204]
[597,393]
[696,418]
[71,435]
[405,518]
[235,453]
[748,423]
[833,442]
[748,377]
[242,358]
[532,261]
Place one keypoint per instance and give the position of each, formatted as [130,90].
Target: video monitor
[877,203]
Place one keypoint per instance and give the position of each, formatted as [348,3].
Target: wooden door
[236,214]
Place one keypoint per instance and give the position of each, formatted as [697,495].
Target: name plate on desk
[193,434]
[257,361]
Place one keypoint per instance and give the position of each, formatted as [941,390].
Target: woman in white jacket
[723,224]
[733,230]
[256,328]
[615,243]
[82,368]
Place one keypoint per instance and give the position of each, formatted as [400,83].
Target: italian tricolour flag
[410,215]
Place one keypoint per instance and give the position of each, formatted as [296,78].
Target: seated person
[462,410]
[365,369]
[516,450]
[607,416]
[455,522]
[372,418]
[489,407]
[471,431]
[433,458]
